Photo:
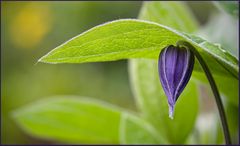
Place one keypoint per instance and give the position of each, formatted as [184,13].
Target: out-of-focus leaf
[233,122]
[231,7]
[228,87]
[70,120]
[135,130]
[153,103]
[214,32]
[145,82]
[76,120]
[161,12]
[132,38]
[210,127]
[229,39]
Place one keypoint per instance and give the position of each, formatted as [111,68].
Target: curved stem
[214,89]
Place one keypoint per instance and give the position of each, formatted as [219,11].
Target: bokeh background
[31,29]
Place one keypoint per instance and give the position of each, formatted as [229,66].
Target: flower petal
[175,67]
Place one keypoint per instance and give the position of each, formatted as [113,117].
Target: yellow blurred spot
[30,25]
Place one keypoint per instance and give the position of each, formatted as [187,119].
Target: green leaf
[152,101]
[161,12]
[228,38]
[70,120]
[228,92]
[231,7]
[135,130]
[214,48]
[160,15]
[76,120]
[233,122]
[132,38]
[145,82]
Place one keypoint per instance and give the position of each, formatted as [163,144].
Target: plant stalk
[214,89]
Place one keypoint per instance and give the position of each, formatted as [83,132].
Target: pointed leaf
[132,38]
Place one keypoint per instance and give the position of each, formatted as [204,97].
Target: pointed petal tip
[171,111]
[175,66]
[171,116]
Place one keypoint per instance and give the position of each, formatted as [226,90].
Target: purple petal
[175,67]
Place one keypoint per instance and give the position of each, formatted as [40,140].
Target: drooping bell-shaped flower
[175,67]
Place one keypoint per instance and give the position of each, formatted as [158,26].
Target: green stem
[214,89]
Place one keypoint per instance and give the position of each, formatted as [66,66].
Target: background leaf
[180,19]
[70,120]
[230,7]
[149,94]
[23,82]
[228,38]
[164,17]
[135,130]
[152,102]
[221,79]
[77,120]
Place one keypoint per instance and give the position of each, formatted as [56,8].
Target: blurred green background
[31,29]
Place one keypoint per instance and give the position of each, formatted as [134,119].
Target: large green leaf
[70,120]
[78,120]
[132,38]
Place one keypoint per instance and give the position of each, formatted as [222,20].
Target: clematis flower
[175,67]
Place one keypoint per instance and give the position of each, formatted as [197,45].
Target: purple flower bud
[175,67]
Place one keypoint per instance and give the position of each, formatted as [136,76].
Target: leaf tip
[45,59]
[42,59]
